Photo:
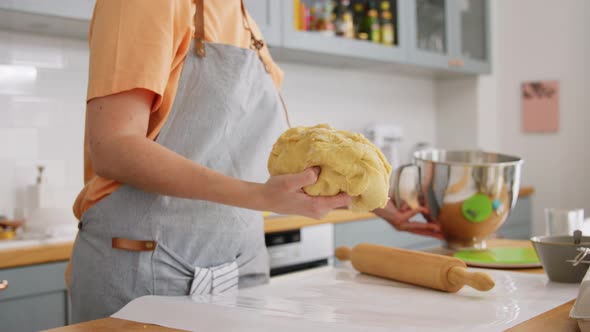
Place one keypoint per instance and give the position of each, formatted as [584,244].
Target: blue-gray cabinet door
[378,231]
[36,298]
[471,30]
[431,33]
[325,46]
[267,14]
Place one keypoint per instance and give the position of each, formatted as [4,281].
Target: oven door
[300,249]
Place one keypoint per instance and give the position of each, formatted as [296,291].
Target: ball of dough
[349,163]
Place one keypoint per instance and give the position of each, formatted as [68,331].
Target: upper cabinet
[373,30]
[73,9]
[450,34]
[268,17]
[441,35]
[68,18]
[431,42]
[472,28]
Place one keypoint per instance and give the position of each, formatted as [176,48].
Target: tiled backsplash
[42,91]
[43,87]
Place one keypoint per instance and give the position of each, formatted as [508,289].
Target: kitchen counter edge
[46,253]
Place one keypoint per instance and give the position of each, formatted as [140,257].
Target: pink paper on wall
[540,106]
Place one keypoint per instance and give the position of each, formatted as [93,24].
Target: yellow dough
[349,163]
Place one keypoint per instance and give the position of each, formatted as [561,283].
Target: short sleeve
[131,46]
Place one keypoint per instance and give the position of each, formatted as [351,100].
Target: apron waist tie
[212,280]
[215,280]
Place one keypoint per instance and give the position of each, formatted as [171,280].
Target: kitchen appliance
[388,139]
[424,269]
[299,249]
[469,193]
[48,210]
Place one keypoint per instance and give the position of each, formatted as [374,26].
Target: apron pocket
[172,275]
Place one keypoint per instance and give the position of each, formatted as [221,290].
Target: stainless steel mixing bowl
[469,193]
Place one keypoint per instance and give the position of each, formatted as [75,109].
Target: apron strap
[133,245]
[285,110]
[255,43]
[199,22]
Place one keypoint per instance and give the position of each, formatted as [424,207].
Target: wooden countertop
[286,223]
[555,320]
[46,253]
[39,254]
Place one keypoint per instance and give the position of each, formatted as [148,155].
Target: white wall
[42,115]
[42,91]
[535,40]
[457,113]
[353,99]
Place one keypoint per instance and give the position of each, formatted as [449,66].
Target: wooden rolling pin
[444,273]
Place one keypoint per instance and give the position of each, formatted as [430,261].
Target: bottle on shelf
[369,28]
[324,18]
[343,21]
[314,11]
[297,5]
[387,27]
[306,17]
[359,11]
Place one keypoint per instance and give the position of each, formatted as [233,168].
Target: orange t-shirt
[142,44]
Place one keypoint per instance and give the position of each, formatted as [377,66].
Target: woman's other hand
[400,220]
[284,194]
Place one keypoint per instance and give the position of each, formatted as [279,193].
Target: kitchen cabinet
[450,34]
[517,226]
[430,32]
[472,28]
[268,17]
[519,223]
[379,232]
[447,35]
[323,46]
[72,9]
[36,298]
[62,18]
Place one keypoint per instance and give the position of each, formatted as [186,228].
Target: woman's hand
[400,220]
[284,194]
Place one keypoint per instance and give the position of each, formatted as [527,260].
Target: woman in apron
[182,112]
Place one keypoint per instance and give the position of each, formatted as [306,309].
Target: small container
[561,258]
[563,221]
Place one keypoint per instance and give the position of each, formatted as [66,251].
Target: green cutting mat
[500,257]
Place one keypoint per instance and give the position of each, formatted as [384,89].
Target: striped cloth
[215,280]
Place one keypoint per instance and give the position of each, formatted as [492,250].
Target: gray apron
[226,115]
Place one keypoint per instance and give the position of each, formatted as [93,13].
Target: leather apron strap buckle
[199,21]
[133,245]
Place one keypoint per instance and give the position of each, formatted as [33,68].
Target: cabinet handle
[456,63]
[3,285]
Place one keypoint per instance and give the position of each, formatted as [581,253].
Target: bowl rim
[539,240]
[517,162]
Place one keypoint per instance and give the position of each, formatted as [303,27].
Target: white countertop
[341,299]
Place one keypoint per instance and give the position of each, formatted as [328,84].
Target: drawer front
[378,231]
[521,214]
[34,313]
[516,232]
[33,280]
